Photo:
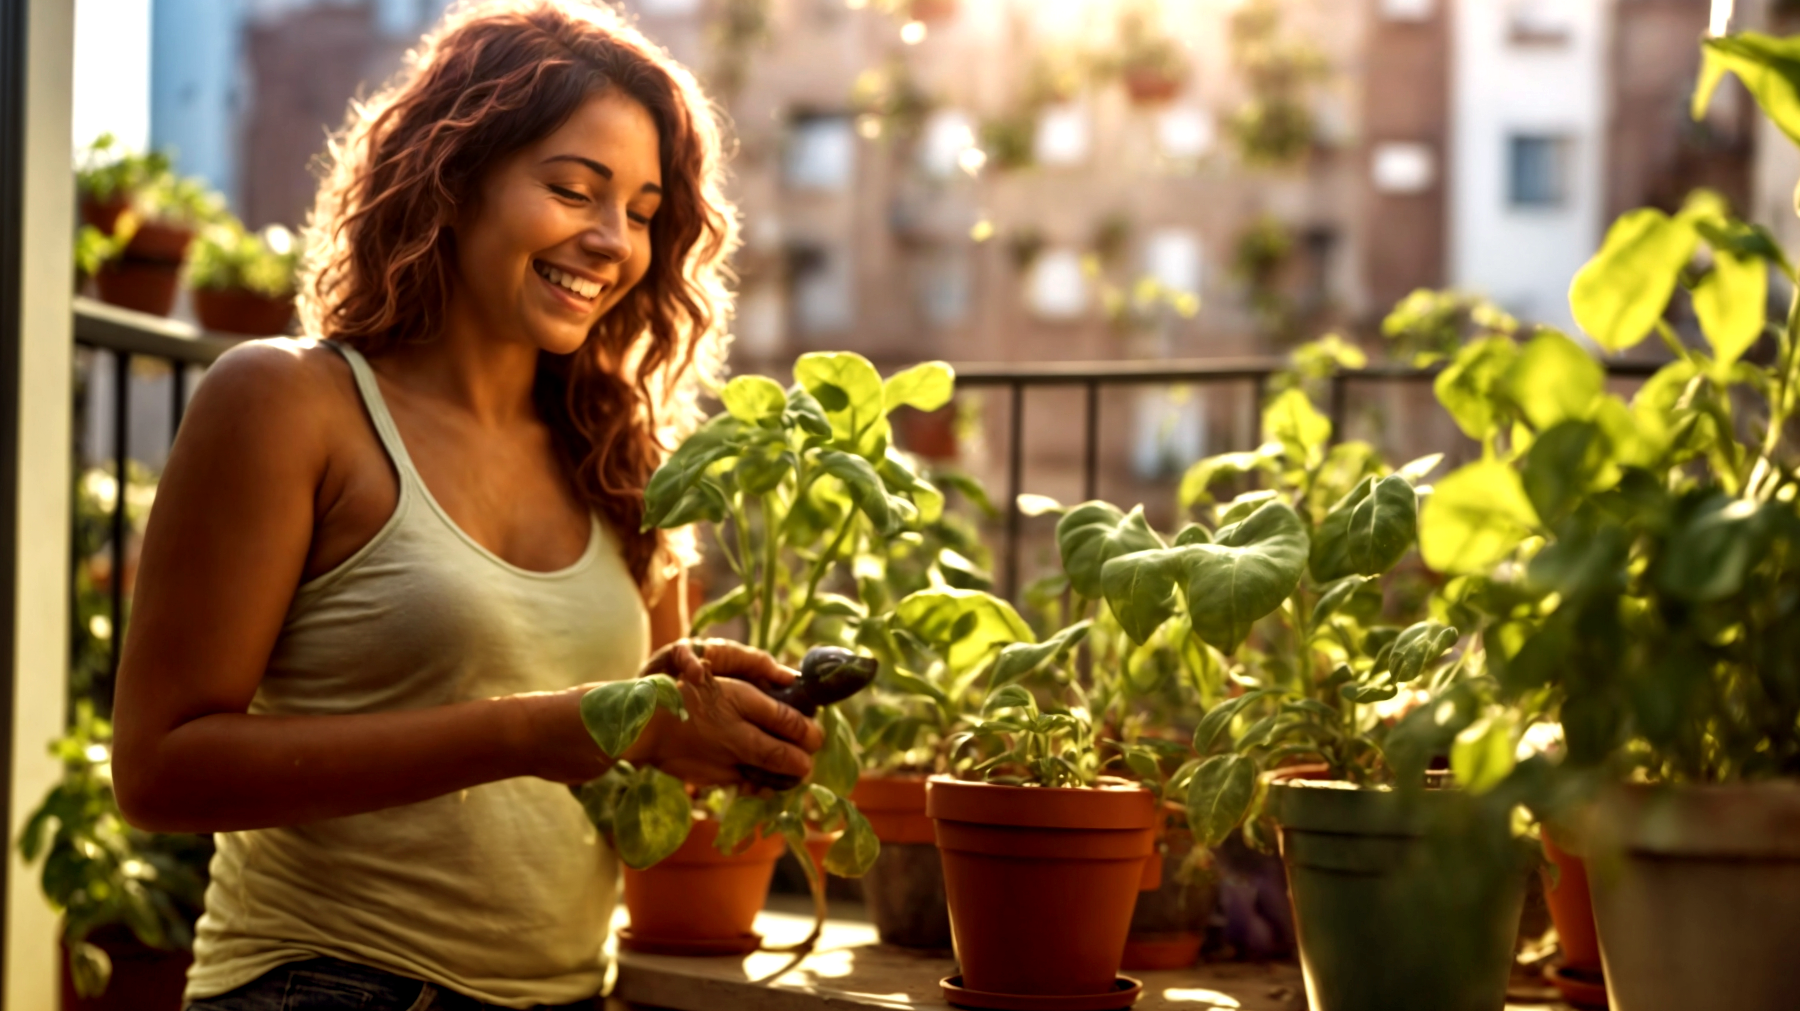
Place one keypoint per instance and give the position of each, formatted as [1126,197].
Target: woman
[383,569]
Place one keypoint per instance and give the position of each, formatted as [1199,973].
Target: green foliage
[1275,125]
[227,256]
[105,171]
[1429,326]
[98,870]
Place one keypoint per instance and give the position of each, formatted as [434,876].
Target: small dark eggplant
[828,675]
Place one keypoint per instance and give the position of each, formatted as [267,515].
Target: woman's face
[562,229]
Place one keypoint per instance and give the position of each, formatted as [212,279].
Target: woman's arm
[226,546]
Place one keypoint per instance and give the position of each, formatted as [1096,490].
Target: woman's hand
[730,722]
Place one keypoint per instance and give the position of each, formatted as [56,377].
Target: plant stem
[816,883]
[740,518]
[821,565]
[771,558]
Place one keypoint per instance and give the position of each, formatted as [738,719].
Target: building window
[821,291]
[1538,170]
[669,8]
[943,285]
[821,153]
[1172,257]
[1538,23]
[1408,10]
[1402,168]
[1062,135]
[1185,132]
[1057,286]
[948,134]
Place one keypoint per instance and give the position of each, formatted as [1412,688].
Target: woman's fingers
[781,720]
[735,660]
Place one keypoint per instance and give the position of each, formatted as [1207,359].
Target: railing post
[1090,462]
[1015,476]
[1337,408]
[121,433]
[178,373]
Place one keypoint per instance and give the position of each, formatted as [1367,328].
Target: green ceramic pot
[1392,916]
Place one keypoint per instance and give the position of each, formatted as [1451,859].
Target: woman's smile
[579,291]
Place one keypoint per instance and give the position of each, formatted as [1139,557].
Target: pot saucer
[1123,994]
[743,944]
[1580,987]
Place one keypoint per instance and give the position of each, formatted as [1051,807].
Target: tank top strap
[370,390]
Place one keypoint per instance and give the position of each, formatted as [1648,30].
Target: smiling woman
[386,564]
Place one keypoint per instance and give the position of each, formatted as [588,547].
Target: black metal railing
[1092,376]
[128,336]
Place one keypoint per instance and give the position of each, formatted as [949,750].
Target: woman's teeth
[579,285]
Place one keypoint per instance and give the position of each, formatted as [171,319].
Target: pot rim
[1106,806]
[1736,820]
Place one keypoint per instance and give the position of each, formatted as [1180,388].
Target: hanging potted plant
[129,899]
[1638,565]
[243,282]
[1433,875]
[149,227]
[1153,65]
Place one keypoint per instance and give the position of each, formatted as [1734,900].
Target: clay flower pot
[1169,922]
[238,311]
[929,11]
[1578,975]
[1697,895]
[698,899]
[1387,922]
[904,890]
[1151,87]
[145,285]
[156,240]
[103,214]
[1041,884]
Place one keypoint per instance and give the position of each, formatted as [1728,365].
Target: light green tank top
[503,891]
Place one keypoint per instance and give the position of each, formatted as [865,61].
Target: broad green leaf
[1620,294]
[926,387]
[854,852]
[1469,387]
[616,712]
[1037,505]
[1250,569]
[1417,648]
[1554,380]
[1193,533]
[834,767]
[1369,693]
[1420,469]
[1241,507]
[865,487]
[1094,532]
[1297,425]
[968,488]
[964,626]
[1010,697]
[1219,796]
[741,820]
[764,465]
[1484,753]
[1336,596]
[897,473]
[1022,658]
[1769,68]
[805,413]
[722,610]
[1708,557]
[1732,303]
[1474,518]
[757,400]
[837,605]
[1196,484]
[702,502]
[1368,531]
[1140,589]
[850,391]
[652,818]
[718,438]
[1564,464]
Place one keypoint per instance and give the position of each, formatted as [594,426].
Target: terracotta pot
[156,240]
[143,978]
[929,434]
[904,890]
[237,311]
[700,894]
[1697,895]
[1169,922]
[103,215]
[145,285]
[1150,87]
[1571,908]
[1041,882]
[1386,921]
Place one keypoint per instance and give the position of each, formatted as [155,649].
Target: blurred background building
[1037,180]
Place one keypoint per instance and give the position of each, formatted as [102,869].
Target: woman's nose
[607,237]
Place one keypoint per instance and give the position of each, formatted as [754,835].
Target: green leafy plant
[228,256]
[1275,125]
[107,172]
[99,871]
[1144,48]
[1633,566]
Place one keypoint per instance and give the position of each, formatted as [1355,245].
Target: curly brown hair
[493,78]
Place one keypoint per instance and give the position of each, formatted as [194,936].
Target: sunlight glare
[1195,995]
[1721,17]
[912,33]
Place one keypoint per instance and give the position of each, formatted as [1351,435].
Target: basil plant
[1633,566]
[1279,604]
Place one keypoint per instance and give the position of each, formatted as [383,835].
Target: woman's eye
[566,193]
[642,219]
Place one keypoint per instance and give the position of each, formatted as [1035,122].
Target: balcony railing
[129,336]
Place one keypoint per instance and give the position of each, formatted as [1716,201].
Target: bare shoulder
[288,388]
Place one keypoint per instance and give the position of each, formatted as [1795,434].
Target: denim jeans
[329,984]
